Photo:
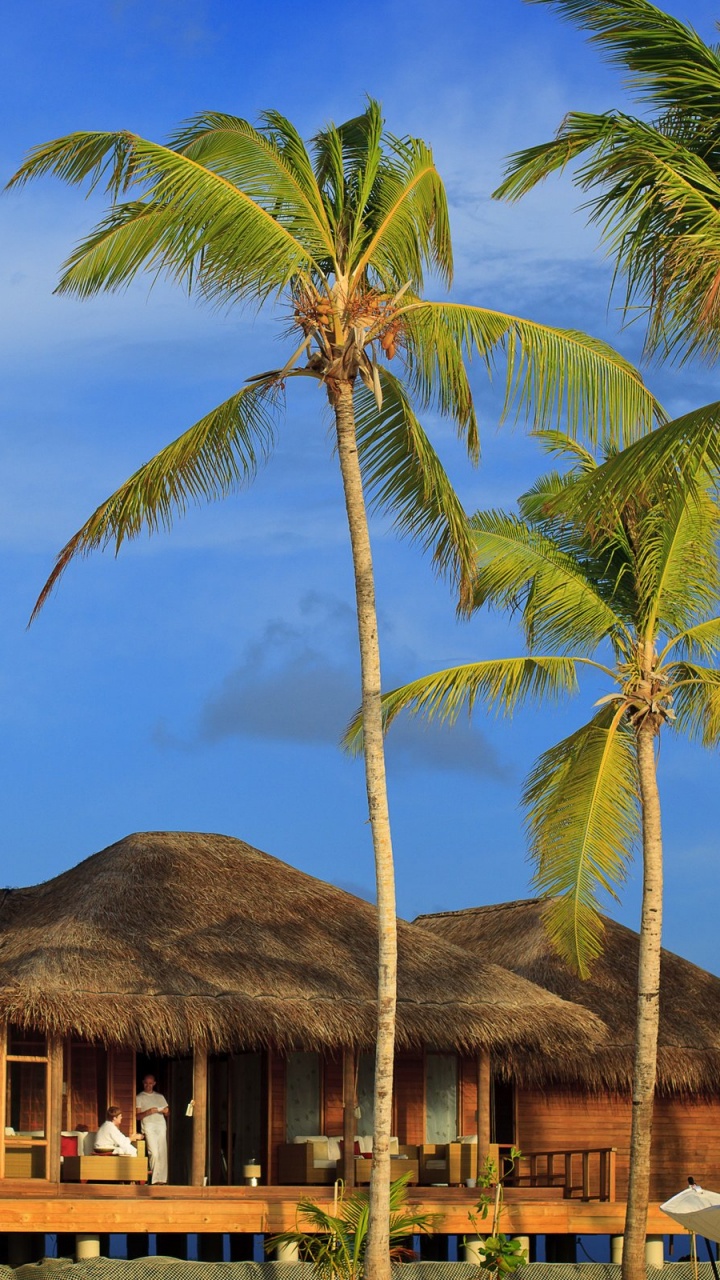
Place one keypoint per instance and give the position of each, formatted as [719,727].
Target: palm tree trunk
[377,1258]
[648,1009]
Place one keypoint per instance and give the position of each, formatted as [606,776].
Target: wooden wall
[468,1085]
[276,1105]
[409,1098]
[684,1134]
[86,1081]
[331,1103]
[121,1086]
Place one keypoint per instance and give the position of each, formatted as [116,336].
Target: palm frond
[83,156]
[271,165]
[696,700]
[218,455]
[191,222]
[669,64]
[406,220]
[579,132]
[564,446]
[405,477]
[656,196]
[519,568]
[502,684]
[554,376]
[683,454]
[703,638]
[335,1244]
[582,819]
[677,570]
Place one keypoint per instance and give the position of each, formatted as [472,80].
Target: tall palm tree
[630,592]
[654,184]
[340,234]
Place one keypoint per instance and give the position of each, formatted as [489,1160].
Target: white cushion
[471,1138]
[364,1141]
[333,1149]
[313,1137]
[394,1147]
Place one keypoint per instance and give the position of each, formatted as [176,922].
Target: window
[24,1106]
[441,1097]
[302,1095]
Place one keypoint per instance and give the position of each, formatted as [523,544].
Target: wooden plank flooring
[50,1207]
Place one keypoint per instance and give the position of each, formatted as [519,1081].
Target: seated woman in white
[109,1138]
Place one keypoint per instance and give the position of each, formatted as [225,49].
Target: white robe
[110,1138]
[155,1129]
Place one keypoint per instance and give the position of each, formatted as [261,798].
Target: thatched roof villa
[225,969]
[248,988]
[596,1108]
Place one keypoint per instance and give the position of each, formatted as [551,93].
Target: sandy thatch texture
[513,935]
[169,939]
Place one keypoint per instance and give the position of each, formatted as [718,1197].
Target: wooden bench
[104,1169]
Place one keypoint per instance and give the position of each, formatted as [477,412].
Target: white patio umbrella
[696,1210]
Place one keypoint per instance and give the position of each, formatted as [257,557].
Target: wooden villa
[549,1113]
[248,989]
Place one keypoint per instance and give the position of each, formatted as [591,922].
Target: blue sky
[201,680]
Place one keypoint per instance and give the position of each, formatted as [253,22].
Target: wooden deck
[50,1207]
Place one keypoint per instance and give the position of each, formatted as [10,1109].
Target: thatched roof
[513,935]
[169,939]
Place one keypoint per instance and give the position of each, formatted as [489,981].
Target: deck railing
[588,1174]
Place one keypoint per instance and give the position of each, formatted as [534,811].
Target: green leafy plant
[490,1180]
[501,1255]
[335,1243]
[498,1254]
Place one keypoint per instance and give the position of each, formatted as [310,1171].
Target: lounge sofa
[316,1160]
[87,1166]
[448,1162]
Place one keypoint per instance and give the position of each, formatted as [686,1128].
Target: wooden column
[268,1171]
[348,1160]
[54,1105]
[483,1106]
[3,1093]
[199,1126]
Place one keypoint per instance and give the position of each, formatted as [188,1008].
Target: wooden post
[54,1104]
[3,1093]
[348,1160]
[483,1106]
[269,1128]
[199,1127]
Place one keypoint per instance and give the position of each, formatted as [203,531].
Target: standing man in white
[152,1109]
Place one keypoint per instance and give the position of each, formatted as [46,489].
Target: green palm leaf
[501,684]
[696,697]
[216,456]
[668,62]
[211,229]
[407,220]
[336,1243]
[518,568]
[581,803]
[553,375]
[678,574]
[683,455]
[703,638]
[658,184]
[272,165]
[404,477]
